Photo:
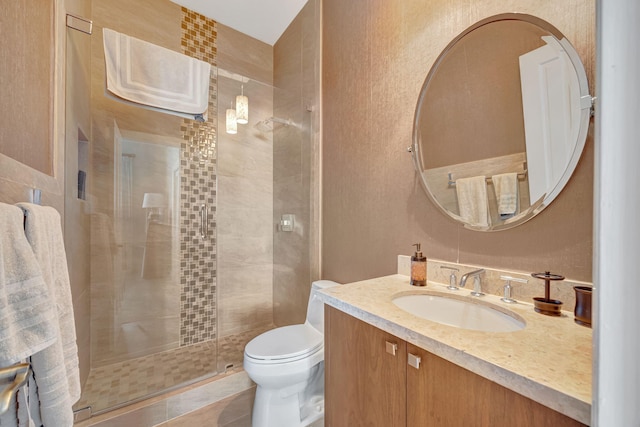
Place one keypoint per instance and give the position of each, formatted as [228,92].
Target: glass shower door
[142,242]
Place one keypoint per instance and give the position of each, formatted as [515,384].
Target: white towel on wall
[27,317]
[17,414]
[26,314]
[472,200]
[155,77]
[55,368]
[506,188]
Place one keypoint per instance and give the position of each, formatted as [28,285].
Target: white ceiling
[264,20]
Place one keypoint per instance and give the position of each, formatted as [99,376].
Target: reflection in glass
[146,236]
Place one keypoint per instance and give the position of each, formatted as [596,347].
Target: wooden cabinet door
[443,394]
[438,394]
[364,384]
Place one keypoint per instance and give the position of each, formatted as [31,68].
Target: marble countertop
[548,361]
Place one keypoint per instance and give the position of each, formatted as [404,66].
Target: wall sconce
[154,202]
[232,123]
[242,108]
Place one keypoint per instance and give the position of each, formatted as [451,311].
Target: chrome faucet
[477,288]
[452,278]
[507,288]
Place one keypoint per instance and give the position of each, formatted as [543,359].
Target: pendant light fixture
[242,107]
[232,123]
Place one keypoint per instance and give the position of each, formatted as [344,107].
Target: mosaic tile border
[198,188]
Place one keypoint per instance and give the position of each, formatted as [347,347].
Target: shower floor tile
[124,382]
[232,347]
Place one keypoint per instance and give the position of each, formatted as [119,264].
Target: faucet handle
[453,280]
[514,279]
[507,288]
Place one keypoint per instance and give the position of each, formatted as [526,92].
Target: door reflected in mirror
[501,122]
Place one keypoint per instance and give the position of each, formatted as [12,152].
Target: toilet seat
[287,343]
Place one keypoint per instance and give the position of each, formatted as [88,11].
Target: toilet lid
[285,343]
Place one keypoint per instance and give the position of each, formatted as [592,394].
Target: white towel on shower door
[155,77]
[472,200]
[55,368]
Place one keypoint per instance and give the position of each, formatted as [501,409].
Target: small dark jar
[582,311]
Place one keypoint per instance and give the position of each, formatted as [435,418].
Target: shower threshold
[234,385]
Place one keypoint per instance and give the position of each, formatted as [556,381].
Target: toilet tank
[315,308]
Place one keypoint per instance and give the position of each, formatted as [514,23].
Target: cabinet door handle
[392,348]
[413,360]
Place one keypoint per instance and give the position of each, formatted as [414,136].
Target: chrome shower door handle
[204,221]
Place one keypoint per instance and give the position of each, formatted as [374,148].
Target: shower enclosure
[162,208]
[186,256]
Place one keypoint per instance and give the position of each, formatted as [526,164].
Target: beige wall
[375,58]
[29,145]
[295,165]
[26,77]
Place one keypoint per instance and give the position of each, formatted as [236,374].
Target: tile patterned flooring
[129,381]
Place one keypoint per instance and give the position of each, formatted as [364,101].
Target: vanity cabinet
[366,384]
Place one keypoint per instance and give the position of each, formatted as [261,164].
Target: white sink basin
[459,313]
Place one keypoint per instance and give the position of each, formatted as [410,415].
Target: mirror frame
[586,105]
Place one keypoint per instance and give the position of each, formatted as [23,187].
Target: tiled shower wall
[198,191]
[245,188]
[234,269]
[296,174]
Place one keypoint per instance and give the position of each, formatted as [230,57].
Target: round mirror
[501,122]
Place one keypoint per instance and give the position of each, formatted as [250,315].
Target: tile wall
[245,187]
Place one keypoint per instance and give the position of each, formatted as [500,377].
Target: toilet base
[286,412]
[295,406]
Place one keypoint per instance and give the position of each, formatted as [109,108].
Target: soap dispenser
[418,268]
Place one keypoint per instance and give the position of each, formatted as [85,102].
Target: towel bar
[18,375]
[452,182]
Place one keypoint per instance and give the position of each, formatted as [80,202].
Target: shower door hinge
[82,414]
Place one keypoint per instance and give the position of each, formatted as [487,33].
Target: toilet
[287,364]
